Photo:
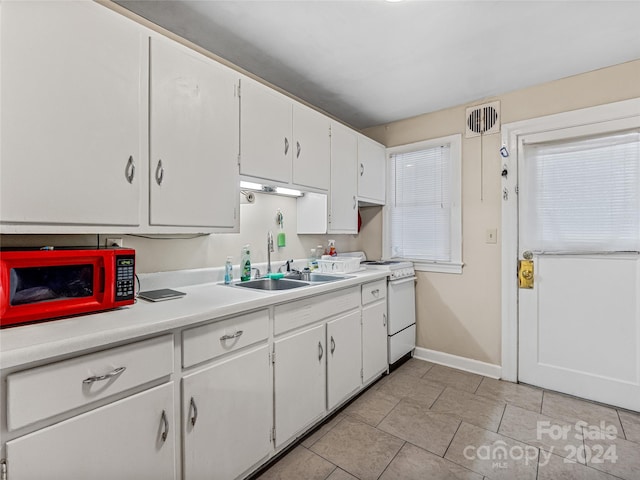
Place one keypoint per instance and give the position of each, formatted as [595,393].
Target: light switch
[491,235]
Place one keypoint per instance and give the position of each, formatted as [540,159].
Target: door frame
[511,132]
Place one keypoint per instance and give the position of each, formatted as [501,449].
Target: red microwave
[49,283]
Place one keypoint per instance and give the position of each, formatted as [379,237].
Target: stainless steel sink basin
[271,284]
[314,277]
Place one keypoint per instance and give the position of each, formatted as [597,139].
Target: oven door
[402,304]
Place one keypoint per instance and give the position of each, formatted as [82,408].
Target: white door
[344,357]
[371,170]
[311,148]
[579,222]
[266,145]
[73,100]
[300,381]
[374,340]
[125,439]
[228,416]
[343,203]
[194,139]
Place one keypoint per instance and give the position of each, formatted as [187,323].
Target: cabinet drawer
[209,341]
[374,291]
[43,392]
[303,312]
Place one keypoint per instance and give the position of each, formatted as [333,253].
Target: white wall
[460,314]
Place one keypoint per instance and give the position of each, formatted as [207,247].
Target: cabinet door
[374,340]
[300,381]
[266,145]
[372,172]
[72,107]
[228,416]
[120,440]
[194,139]
[344,358]
[343,204]
[311,155]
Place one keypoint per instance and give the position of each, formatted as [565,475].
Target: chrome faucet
[269,250]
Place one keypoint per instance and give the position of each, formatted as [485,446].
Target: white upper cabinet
[343,203]
[281,140]
[73,98]
[311,148]
[193,139]
[266,143]
[371,171]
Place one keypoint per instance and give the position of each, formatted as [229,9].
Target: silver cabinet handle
[159,173]
[298,149]
[361,169]
[286,145]
[384,319]
[230,337]
[333,346]
[194,409]
[106,376]
[376,292]
[130,169]
[354,202]
[320,351]
[165,424]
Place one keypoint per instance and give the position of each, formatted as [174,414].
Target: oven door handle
[402,280]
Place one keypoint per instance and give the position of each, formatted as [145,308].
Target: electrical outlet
[491,235]
[113,242]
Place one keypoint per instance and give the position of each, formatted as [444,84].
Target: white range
[401,306]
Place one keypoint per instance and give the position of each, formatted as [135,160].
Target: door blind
[583,194]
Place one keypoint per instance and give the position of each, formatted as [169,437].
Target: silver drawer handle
[286,145]
[165,423]
[106,376]
[333,345]
[130,170]
[384,319]
[375,292]
[361,169]
[230,337]
[298,149]
[320,351]
[194,417]
[159,173]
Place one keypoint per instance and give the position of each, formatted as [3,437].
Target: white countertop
[24,344]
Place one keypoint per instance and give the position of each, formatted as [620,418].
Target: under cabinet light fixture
[270,189]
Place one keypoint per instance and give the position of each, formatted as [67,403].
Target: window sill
[434,267]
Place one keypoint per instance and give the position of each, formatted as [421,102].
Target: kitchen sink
[272,284]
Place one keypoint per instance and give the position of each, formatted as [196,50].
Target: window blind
[583,195]
[420,213]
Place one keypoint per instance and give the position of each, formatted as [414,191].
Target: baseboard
[461,363]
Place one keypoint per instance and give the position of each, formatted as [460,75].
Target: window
[423,216]
[583,193]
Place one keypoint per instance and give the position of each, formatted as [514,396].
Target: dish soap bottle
[228,271]
[245,264]
[332,248]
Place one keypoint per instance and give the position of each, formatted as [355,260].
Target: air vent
[483,119]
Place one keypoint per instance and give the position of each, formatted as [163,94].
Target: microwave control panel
[125,277]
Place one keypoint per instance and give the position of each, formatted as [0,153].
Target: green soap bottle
[245,264]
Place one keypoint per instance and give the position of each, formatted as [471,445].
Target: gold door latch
[525,273]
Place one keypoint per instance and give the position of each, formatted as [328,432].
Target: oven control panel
[125,277]
[399,273]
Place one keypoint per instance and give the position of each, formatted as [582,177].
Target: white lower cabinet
[343,358]
[131,438]
[300,381]
[374,340]
[227,416]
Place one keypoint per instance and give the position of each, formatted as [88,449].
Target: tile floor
[426,421]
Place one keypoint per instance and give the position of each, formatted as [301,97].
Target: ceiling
[371,62]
